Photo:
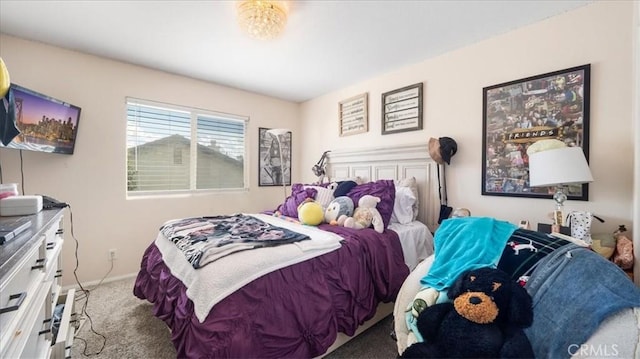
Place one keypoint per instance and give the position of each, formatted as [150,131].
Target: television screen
[45,124]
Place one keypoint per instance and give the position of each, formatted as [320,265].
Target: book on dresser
[30,290]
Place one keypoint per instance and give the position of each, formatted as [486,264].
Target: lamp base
[559,197]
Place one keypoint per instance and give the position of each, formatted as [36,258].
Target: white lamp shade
[560,166]
[278,131]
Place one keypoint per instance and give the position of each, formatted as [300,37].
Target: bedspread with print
[206,239]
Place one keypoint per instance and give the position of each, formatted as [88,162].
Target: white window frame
[194,113]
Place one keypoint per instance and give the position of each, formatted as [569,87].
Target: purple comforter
[294,312]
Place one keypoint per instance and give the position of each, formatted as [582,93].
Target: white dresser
[30,290]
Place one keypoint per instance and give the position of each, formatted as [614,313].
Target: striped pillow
[324,196]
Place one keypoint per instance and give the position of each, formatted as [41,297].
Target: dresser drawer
[66,330]
[53,270]
[18,291]
[52,241]
[31,337]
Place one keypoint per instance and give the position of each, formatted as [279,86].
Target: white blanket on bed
[215,281]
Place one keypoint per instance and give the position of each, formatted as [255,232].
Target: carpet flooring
[123,326]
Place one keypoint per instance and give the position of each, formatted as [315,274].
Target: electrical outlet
[112,254]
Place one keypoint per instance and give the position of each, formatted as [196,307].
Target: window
[172,148]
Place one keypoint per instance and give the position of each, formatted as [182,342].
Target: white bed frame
[395,163]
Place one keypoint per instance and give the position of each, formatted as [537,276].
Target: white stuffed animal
[365,215]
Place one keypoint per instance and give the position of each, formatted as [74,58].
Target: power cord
[86,293]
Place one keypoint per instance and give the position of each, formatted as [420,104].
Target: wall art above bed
[402,109]
[354,115]
[518,113]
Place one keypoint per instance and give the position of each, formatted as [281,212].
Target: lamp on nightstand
[559,167]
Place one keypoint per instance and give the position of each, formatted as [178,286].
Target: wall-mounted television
[45,123]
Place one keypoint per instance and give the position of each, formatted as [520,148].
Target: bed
[305,305]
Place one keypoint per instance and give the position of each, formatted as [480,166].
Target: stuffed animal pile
[341,211]
[485,319]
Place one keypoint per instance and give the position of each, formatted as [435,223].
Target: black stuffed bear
[485,320]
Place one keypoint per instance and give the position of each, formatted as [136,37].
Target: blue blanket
[461,244]
[573,291]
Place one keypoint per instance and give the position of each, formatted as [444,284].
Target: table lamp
[559,167]
[278,133]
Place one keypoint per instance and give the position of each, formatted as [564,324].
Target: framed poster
[402,109]
[275,158]
[354,115]
[516,114]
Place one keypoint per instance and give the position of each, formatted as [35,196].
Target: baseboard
[91,285]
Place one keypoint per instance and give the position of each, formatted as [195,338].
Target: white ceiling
[326,45]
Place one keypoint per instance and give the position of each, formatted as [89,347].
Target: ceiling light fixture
[263,20]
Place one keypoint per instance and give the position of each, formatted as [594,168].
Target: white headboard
[396,162]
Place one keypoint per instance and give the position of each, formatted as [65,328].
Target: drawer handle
[40,260]
[58,273]
[39,266]
[51,245]
[60,231]
[20,297]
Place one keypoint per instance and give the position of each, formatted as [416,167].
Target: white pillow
[324,196]
[411,183]
[403,206]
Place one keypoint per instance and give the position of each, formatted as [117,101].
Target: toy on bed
[340,206]
[365,215]
[310,213]
[485,320]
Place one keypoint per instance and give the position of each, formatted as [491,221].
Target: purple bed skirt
[294,312]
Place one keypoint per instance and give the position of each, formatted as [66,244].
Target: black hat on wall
[442,149]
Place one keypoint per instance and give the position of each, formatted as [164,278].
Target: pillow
[298,195]
[403,206]
[524,249]
[343,188]
[324,196]
[384,189]
[413,185]
[603,244]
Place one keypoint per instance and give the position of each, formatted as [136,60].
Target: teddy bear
[485,319]
[340,206]
[365,215]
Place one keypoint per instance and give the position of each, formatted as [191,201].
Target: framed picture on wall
[402,109]
[354,115]
[518,113]
[275,158]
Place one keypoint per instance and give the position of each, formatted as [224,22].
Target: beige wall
[599,34]
[93,179]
